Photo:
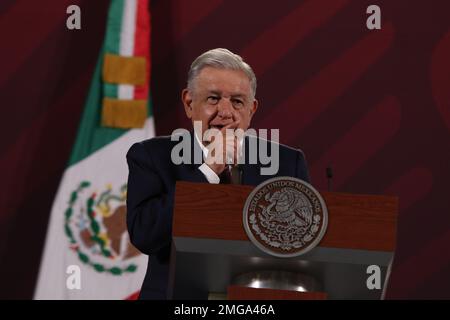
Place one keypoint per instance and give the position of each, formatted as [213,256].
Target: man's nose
[225,108]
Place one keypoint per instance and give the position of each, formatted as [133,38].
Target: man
[220,95]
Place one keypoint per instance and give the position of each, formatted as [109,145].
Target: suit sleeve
[302,167]
[149,201]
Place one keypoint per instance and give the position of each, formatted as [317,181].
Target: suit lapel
[250,172]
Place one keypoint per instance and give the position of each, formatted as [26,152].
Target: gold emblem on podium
[285,217]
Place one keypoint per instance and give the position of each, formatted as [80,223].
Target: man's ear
[186,97]
[253,108]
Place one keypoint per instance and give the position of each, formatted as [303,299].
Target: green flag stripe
[114,26]
[112,39]
[110,90]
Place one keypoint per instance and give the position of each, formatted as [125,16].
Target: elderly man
[220,96]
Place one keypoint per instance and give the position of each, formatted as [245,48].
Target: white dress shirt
[209,173]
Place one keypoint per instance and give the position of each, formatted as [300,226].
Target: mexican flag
[87,252]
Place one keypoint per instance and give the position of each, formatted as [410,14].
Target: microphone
[329,174]
[238,172]
[235,171]
[234,168]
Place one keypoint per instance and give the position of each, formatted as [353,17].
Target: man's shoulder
[156,145]
[156,142]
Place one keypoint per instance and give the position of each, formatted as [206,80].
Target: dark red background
[373,104]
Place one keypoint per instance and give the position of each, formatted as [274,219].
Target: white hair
[222,59]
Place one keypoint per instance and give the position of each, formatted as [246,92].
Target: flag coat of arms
[87,232]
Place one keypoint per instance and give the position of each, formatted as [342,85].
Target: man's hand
[227,145]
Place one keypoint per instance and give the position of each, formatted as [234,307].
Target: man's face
[220,97]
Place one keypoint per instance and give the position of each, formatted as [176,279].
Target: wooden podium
[210,247]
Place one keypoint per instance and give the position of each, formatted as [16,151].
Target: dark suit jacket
[151,186]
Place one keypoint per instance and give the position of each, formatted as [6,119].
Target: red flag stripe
[142,44]
[134,296]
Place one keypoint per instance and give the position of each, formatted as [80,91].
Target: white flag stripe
[128,28]
[126,91]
